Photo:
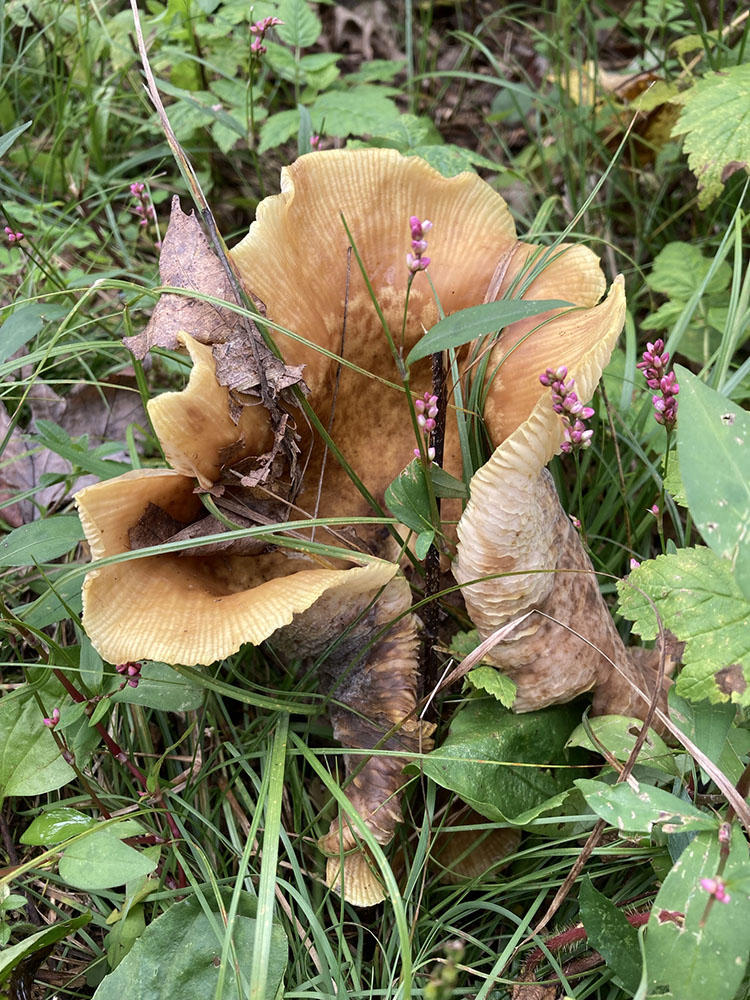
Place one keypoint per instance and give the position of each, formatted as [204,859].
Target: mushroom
[518,552]
[201,604]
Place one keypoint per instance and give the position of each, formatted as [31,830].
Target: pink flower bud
[53,720]
[634,564]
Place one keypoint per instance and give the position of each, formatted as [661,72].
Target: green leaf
[40,541]
[55,825]
[673,480]
[30,761]
[102,861]
[698,599]
[639,811]
[24,323]
[679,268]
[450,160]
[12,956]
[8,138]
[611,935]
[124,934]
[278,129]
[353,112]
[715,121]
[617,734]
[494,683]
[705,724]
[408,500]
[90,663]
[477,321]
[423,543]
[446,485]
[503,764]
[301,28]
[713,444]
[701,962]
[192,942]
[376,71]
[406,132]
[163,688]
[57,440]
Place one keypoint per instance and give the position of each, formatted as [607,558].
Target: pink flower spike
[53,720]
[654,509]
[715,887]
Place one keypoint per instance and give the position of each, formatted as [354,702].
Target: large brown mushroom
[201,604]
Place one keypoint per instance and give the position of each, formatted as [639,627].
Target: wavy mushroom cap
[296,260]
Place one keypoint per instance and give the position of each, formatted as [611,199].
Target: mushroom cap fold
[188,609]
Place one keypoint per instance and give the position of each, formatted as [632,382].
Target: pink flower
[259,29]
[715,887]
[132,672]
[634,564]
[565,401]
[653,366]
[315,141]
[53,720]
[12,236]
[427,410]
[654,509]
[415,261]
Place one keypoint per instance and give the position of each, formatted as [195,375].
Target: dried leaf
[237,368]
[154,527]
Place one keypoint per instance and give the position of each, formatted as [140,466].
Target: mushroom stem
[373,702]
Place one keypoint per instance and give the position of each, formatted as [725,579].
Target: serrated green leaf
[679,268]
[494,683]
[55,825]
[617,734]
[715,121]
[408,131]
[189,937]
[713,444]
[278,129]
[503,764]
[640,811]
[450,160]
[301,28]
[376,71]
[701,962]
[102,861]
[477,321]
[611,935]
[698,599]
[364,108]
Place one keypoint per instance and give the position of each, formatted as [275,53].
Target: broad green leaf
[617,734]
[715,121]
[124,934]
[698,599]
[408,500]
[673,480]
[493,682]
[503,764]
[301,28]
[163,688]
[24,323]
[49,608]
[102,861]
[446,485]
[30,761]
[713,443]
[55,825]
[477,321]
[376,71]
[12,956]
[705,724]
[701,962]
[679,268]
[640,811]
[611,935]
[406,132]
[193,945]
[40,541]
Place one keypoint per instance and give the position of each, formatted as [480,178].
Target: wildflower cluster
[566,402]
[131,672]
[427,410]
[715,887]
[653,366]
[415,261]
[12,236]
[315,142]
[259,30]
[143,206]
